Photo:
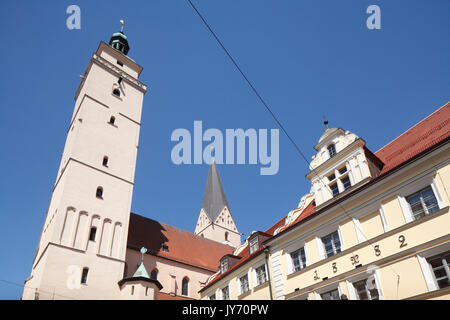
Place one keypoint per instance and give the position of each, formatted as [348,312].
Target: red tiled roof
[166,296]
[429,131]
[184,246]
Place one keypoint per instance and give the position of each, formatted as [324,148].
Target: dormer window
[331,150]
[224,265]
[253,244]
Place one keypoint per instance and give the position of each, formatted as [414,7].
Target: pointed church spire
[214,199]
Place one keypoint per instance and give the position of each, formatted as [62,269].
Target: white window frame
[222,263]
[422,183]
[221,292]
[255,275]
[290,262]
[427,270]
[324,232]
[353,294]
[239,283]
[318,292]
[255,240]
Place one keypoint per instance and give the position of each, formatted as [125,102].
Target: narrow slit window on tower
[119,63]
[226,236]
[154,274]
[105,161]
[92,234]
[99,193]
[116,92]
[84,275]
[112,120]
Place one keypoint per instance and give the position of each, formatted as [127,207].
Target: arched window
[84,275]
[331,150]
[105,161]
[92,234]
[132,290]
[99,193]
[154,274]
[226,236]
[112,120]
[116,92]
[185,286]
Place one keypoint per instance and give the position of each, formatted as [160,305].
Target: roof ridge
[406,131]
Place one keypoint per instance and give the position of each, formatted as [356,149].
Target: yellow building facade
[375,225]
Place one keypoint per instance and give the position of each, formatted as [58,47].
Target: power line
[265,104]
[248,82]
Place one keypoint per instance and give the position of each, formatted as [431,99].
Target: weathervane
[122,23]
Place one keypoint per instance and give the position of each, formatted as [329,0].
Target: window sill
[292,274]
[261,286]
[243,295]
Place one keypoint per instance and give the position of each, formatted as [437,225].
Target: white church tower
[81,252]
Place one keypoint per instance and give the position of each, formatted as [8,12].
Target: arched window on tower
[154,274]
[112,120]
[99,193]
[116,92]
[185,286]
[105,161]
[332,150]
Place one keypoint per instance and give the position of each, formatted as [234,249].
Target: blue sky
[306,58]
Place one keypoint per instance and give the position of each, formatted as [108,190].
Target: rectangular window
[254,245]
[331,177]
[332,244]
[244,284]
[363,292]
[334,189]
[346,182]
[422,203]
[261,276]
[225,293]
[441,269]
[330,295]
[298,259]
